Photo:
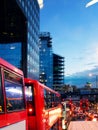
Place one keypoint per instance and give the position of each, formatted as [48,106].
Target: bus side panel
[17,126]
[2,120]
[40,107]
[32,123]
[45,118]
[54,115]
[35,122]
[11,118]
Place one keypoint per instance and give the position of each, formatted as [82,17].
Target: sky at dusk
[74,32]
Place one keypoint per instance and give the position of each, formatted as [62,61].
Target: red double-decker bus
[44,106]
[13,114]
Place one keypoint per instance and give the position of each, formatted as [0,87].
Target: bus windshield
[14,92]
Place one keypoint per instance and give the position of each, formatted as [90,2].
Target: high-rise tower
[19,35]
[46,59]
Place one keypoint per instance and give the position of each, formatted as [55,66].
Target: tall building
[58,71]
[46,59]
[19,35]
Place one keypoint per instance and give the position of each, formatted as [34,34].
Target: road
[83,125]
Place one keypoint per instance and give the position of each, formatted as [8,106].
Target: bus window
[14,92]
[57,100]
[47,99]
[29,92]
[1,96]
[50,99]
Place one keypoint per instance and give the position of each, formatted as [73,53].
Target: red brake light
[30,111]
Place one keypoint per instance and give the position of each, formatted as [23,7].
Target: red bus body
[12,99]
[43,111]
[42,117]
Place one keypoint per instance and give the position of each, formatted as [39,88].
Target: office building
[19,35]
[46,59]
[58,72]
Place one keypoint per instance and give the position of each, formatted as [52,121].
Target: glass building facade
[19,35]
[11,53]
[46,59]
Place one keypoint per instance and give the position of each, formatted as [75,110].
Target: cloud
[91,3]
[91,63]
[78,58]
[86,72]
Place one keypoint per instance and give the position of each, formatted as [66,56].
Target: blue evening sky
[74,31]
